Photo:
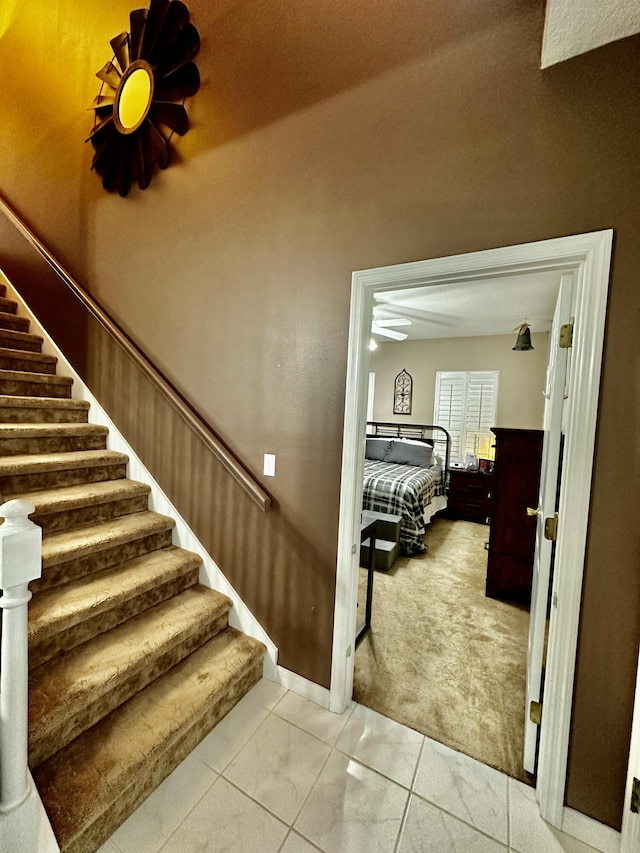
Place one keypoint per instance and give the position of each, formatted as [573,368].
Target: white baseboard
[240,616]
[302,686]
[590,831]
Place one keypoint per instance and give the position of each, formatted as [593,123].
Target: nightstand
[470,495]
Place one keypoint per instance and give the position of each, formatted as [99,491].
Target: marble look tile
[352,808]
[311,717]
[154,821]
[108,847]
[529,833]
[278,765]
[266,693]
[297,844]
[231,734]
[227,821]
[475,793]
[428,829]
[382,744]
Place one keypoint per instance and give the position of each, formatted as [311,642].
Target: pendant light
[524,337]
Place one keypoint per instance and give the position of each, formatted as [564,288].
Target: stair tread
[31,430]
[63,688]
[40,378]
[29,462]
[63,498]
[24,402]
[10,317]
[86,540]
[26,355]
[27,337]
[59,608]
[9,306]
[80,783]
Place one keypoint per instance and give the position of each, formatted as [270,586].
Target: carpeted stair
[132,661]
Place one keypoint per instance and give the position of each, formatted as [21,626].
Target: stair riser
[20,340]
[15,324]
[156,768]
[22,388]
[67,519]
[18,483]
[14,362]
[51,444]
[104,559]
[150,668]
[52,645]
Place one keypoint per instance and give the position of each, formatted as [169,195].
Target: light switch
[269,469]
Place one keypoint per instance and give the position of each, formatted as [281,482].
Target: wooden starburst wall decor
[141,101]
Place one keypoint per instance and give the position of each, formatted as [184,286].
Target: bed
[405,474]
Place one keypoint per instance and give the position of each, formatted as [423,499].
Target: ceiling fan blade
[395,321]
[389,333]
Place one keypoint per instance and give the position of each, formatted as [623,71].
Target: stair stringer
[240,616]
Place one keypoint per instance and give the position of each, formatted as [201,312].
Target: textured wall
[328,137]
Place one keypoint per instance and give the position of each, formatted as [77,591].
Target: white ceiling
[573,27]
[489,307]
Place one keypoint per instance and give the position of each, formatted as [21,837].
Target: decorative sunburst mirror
[141,101]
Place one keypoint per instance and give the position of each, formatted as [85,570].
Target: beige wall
[330,137]
[521,383]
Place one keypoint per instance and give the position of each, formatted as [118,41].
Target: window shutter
[449,408]
[465,404]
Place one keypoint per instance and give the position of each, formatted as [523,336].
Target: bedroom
[478,706]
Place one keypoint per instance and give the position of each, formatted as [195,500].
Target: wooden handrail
[233,465]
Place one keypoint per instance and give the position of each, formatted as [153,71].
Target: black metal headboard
[438,435]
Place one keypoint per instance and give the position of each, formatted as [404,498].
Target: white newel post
[20,563]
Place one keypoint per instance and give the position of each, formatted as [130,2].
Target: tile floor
[281,775]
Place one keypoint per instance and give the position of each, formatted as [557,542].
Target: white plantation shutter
[465,404]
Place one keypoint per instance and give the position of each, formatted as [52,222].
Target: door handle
[532,511]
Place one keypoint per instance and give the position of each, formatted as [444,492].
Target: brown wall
[328,137]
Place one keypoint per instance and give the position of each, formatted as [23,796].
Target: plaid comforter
[402,490]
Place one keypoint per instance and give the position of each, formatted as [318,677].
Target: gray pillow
[377,448]
[402,453]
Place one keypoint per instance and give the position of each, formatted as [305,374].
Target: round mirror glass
[133,99]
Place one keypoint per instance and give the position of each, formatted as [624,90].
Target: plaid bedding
[402,490]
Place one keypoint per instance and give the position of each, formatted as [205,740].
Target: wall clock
[403,390]
[140,104]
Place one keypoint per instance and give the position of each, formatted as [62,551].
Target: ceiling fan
[386,328]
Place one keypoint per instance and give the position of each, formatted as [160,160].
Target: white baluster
[20,563]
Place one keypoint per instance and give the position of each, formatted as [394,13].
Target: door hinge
[551,527]
[566,336]
[635,796]
[535,712]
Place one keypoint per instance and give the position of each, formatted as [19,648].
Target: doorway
[588,257]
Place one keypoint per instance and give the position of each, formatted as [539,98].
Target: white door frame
[589,257]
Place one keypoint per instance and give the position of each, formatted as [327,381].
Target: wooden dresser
[470,495]
[516,481]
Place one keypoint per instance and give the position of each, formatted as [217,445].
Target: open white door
[630,837]
[549,482]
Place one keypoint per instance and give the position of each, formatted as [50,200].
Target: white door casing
[588,257]
[552,429]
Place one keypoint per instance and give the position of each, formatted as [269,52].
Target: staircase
[132,661]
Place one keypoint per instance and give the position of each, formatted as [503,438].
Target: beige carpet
[442,658]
